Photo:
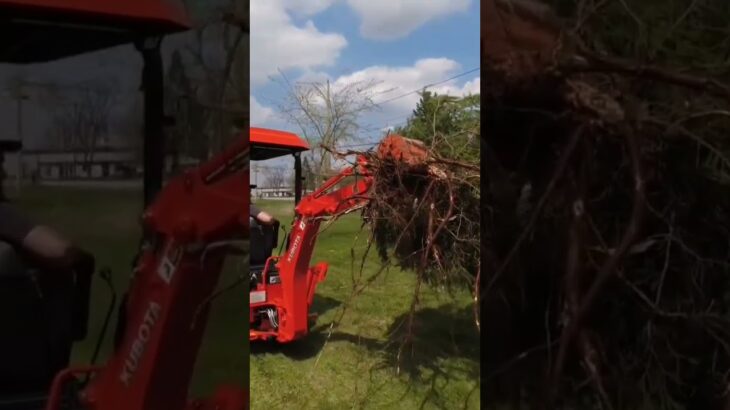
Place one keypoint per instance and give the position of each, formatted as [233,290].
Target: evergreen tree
[449,124]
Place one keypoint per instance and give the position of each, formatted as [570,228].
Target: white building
[107,163]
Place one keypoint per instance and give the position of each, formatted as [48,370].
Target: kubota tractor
[282,286]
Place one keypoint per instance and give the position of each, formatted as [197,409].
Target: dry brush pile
[606,225]
[426,215]
[422,212]
[423,217]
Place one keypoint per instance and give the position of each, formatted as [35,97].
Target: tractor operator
[43,246]
[260,216]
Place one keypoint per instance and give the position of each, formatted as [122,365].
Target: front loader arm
[188,229]
[327,201]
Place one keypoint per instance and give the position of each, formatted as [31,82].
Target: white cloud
[267,116]
[393,82]
[277,43]
[391,19]
[472,87]
[308,7]
[260,114]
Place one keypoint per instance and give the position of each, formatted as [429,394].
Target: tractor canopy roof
[36,31]
[268,144]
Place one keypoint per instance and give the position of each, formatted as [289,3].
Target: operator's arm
[48,248]
[261,217]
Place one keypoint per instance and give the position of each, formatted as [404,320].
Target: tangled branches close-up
[607,218]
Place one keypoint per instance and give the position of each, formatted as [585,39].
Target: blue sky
[402,44]
[455,36]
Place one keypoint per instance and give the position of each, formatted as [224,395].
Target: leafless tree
[277,177]
[83,122]
[219,68]
[327,115]
[131,125]
[291,178]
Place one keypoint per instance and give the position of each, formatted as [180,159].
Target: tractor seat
[42,314]
[264,240]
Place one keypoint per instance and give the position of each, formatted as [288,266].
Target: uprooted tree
[428,218]
[607,213]
[423,216]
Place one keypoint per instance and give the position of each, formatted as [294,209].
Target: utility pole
[154,143]
[20,97]
[256,177]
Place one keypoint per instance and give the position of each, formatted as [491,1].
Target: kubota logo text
[138,346]
[297,241]
[294,247]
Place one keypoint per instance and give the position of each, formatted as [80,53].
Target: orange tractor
[282,286]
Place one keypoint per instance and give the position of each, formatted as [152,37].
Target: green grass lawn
[106,223]
[353,365]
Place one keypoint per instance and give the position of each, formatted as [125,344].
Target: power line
[428,85]
[369,144]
